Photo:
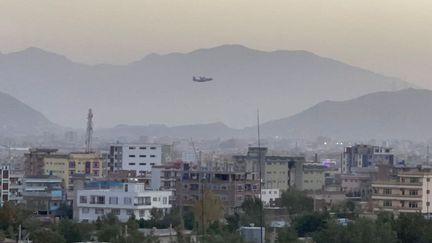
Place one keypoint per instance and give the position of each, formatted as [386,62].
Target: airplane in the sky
[201,79]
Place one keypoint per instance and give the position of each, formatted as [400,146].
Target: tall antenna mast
[260,174]
[89,131]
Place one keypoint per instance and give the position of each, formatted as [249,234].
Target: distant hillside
[405,114]
[16,118]
[159,90]
[213,130]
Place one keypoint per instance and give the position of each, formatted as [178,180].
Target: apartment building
[408,193]
[164,177]
[34,161]
[231,187]
[16,186]
[131,199]
[67,166]
[43,194]
[361,156]
[356,186]
[311,178]
[138,157]
[278,172]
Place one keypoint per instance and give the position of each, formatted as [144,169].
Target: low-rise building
[131,199]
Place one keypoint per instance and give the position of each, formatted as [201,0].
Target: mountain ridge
[280,82]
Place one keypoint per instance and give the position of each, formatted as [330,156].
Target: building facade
[131,199]
[43,194]
[232,188]
[278,172]
[362,156]
[311,178]
[269,197]
[67,166]
[410,192]
[34,161]
[138,157]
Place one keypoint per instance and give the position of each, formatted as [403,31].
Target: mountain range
[401,114]
[158,89]
[19,119]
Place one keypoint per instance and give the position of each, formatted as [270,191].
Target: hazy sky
[389,36]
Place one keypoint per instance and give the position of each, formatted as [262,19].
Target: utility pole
[89,132]
[260,175]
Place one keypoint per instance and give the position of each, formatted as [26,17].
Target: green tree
[46,235]
[156,214]
[207,210]
[296,202]
[310,222]
[252,211]
[412,228]
[287,235]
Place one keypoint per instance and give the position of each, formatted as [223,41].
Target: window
[387,191]
[131,148]
[113,200]
[387,203]
[152,163]
[428,204]
[427,191]
[85,210]
[142,156]
[155,199]
[144,200]
[129,212]
[414,180]
[142,163]
[152,156]
[83,199]
[131,163]
[131,155]
[428,179]
[95,164]
[127,201]
[164,200]
[152,147]
[97,200]
[412,205]
[142,213]
[115,211]
[143,147]
[99,211]
[413,192]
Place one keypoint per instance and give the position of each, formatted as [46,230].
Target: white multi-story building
[138,157]
[130,199]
